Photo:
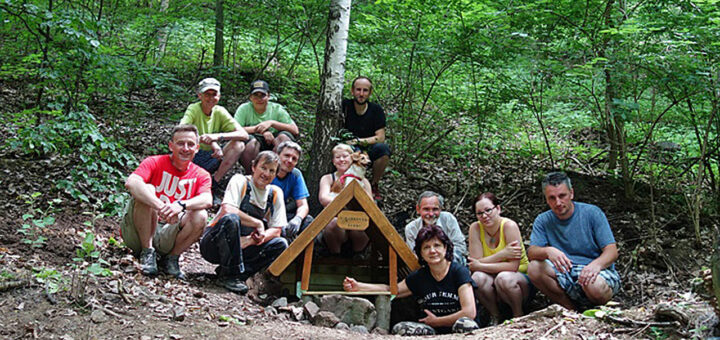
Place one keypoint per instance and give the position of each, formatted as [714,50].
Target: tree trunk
[329,117]
[219,27]
[162,34]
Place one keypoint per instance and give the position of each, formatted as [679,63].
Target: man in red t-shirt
[172,190]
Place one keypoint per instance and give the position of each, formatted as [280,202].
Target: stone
[98,316]
[350,310]
[327,319]
[297,313]
[359,329]
[380,331]
[311,310]
[341,325]
[281,302]
[178,314]
[270,310]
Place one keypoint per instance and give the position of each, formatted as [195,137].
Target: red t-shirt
[170,183]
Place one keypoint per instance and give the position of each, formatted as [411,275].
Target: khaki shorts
[163,241]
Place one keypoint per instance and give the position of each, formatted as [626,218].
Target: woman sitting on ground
[444,287]
[333,236]
[497,259]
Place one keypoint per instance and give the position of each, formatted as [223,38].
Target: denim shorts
[374,151]
[205,160]
[568,281]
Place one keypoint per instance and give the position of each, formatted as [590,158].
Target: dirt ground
[127,305]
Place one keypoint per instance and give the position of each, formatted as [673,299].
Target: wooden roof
[353,193]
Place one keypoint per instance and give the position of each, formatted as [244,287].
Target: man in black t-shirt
[366,121]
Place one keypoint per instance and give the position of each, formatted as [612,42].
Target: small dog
[360,161]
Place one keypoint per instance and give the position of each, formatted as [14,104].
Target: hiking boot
[148,262]
[234,284]
[170,265]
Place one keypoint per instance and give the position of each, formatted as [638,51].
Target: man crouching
[244,236]
[169,189]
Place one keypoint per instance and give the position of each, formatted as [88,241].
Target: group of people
[570,257]
[259,211]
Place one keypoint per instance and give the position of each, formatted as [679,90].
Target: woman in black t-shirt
[444,288]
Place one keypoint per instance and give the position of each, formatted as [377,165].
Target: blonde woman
[333,236]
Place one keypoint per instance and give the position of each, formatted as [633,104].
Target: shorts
[531,286]
[568,281]
[163,241]
[205,160]
[264,146]
[375,151]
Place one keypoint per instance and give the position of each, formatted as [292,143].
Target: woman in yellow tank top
[497,260]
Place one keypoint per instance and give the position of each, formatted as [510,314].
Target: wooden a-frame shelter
[358,212]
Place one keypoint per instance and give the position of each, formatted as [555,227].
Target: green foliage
[100,160]
[658,333]
[88,255]
[462,80]
[50,278]
[36,219]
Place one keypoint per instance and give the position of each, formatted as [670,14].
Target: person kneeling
[444,287]
[244,237]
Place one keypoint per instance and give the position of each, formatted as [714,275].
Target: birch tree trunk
[329,118]
[162,34]
[219,39]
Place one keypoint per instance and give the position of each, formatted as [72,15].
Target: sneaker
[234,284]
[410,328]
[217,192]
[148,262]
[376,193]
[170,265]
[464,325]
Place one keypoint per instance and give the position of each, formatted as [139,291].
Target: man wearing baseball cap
[267,123]
[216,128]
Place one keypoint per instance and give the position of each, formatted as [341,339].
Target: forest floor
[44,295]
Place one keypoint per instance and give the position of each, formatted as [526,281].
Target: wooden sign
[353,220]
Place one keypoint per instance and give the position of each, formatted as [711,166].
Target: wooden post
[392,263]
[307,267]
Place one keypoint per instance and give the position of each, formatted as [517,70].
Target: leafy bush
[98,161]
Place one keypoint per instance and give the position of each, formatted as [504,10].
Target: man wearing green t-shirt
[216,127]
[267,123]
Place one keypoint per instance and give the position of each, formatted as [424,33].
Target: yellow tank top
[501,245]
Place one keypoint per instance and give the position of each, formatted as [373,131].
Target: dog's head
[360,158]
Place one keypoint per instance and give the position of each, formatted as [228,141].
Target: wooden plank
[392,258]
[342,292]
[308,235]
[307,266]
[386,228]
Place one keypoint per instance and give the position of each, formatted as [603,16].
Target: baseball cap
[208,84]
[259,86]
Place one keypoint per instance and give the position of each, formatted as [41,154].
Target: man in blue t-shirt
[572,249]
[292,183]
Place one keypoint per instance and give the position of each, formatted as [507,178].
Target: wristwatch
[183,205]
